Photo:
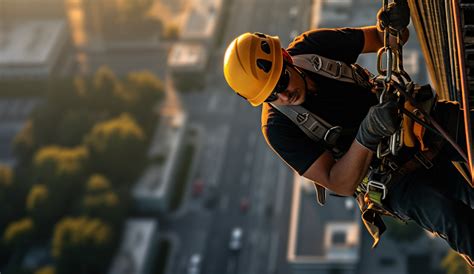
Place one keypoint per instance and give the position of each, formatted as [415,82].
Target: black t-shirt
[337,102]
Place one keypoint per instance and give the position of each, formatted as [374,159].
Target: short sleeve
[342,44]
[290,143]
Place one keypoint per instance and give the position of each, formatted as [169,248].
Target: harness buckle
[338,70]
[316,62]
[332,135]
[392,165]
[377,185]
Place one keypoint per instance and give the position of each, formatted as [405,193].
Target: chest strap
[317,129]
[326,67]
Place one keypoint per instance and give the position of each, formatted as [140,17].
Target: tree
[19,233]
[146,91]
[453,263]
[18,236]
[63,171]
[46,270]
[100,201]
[24,144]
[61,166]
[73,125]
[9,201]
[79,242]
[104,96]
[42,210]
[117,148]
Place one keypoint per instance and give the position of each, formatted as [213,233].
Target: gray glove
[396,17]
[381,121]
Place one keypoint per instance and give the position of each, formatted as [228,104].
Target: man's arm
[373,39]
[343,176]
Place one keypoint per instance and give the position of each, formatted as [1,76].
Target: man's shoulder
[343,44]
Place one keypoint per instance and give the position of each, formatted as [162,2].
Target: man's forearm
[346,174]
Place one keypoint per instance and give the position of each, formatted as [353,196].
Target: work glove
[396,17]
[381,121]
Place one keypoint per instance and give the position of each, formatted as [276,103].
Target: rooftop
[187,55]
[136,243]
[154,181]
[30,43]
[326,234]
[202,19]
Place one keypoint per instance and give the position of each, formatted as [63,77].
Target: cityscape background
[124,151]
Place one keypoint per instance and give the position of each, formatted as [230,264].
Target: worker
[428,191]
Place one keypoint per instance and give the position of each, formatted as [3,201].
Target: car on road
[235,243]
[198,187]
[244,204]
[194,266]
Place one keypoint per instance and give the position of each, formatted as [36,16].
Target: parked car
[194,266]
[198,187]
[235,243]
[244,204]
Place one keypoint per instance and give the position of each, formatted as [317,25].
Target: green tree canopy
[100,201]
[37,197]
[117,148]
[73,125]
[19,233]
[44,210]
[24,143]
[58,166]
[8,197]
[49,269]
[104,95]
[79,242]
[145,90]
[6,176]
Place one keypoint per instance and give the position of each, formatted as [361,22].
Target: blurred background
[123,150]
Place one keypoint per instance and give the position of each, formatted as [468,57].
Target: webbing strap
[315,128]
[326,67]
[312,125]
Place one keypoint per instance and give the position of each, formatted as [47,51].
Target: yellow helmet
[252,66]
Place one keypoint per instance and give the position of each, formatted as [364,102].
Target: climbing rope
[392,80]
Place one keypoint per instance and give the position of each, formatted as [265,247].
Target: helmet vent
[261,35]
[264,65]
[265,47]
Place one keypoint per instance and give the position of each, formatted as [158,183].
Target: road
[236,165]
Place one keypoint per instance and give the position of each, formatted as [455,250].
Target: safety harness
[374,188]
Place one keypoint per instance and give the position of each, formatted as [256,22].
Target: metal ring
[316,62]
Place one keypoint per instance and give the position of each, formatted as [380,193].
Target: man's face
[295,93]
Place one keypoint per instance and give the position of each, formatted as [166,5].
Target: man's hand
[396,17]
[381,121]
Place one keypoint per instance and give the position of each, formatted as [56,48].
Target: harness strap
[326,67]
[315,128]
[312,125]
